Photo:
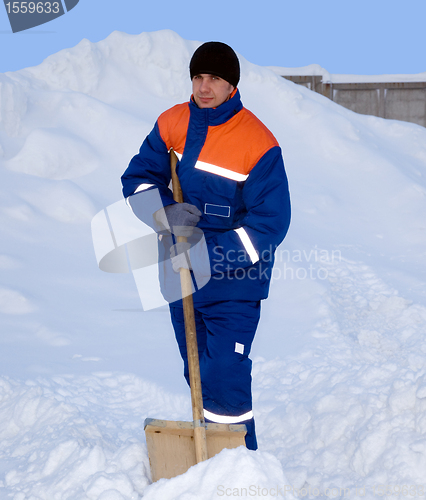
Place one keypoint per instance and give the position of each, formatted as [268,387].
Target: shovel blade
[171,447]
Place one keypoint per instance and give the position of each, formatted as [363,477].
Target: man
[235,190]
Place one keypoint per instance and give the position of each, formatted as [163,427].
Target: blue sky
[362,37]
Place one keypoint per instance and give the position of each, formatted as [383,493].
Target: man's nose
[204,87]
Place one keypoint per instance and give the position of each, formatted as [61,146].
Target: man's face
[210,91]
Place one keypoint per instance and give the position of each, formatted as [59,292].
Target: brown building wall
[395,100]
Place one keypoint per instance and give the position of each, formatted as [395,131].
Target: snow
[310,70]
[339,371]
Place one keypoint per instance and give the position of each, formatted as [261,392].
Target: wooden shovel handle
[191,337]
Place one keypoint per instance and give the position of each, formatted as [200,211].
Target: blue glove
[179,218]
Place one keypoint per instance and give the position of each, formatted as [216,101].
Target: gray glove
[179,218]
[179,255]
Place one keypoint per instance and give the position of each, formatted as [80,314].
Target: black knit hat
[216,58]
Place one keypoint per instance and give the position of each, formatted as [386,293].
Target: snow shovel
[173,447]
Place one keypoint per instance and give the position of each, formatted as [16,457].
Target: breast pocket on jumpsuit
[220,200]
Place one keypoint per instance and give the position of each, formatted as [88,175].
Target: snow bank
[339,371]
[78,437]
[82,438]
[231,473]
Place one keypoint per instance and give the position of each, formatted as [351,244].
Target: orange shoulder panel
[173,125]
[238,144]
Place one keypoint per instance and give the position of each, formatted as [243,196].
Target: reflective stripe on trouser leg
[225,419]
[250,438]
